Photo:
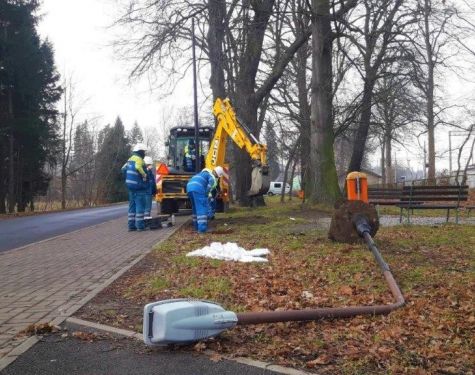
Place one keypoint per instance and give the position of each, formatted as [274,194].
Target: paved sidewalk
[50,280]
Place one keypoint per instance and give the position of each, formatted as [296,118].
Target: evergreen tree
[135,134]
[82,166]
[114,150]
[28,93]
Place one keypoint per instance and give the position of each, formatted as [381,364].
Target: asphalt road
[22,231]
[105,355]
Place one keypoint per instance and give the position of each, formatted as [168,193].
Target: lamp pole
[11,140]
[195,99]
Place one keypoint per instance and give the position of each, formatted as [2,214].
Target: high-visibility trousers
[199,206]
[136,210]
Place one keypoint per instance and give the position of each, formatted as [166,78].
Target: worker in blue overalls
[198,188]
[137,184]
[212,202]
[151,189]
[190,156]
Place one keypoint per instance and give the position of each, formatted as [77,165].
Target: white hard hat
[140,147]
[148,160]
[219,171]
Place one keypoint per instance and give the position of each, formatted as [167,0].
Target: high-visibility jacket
[202,182]
[135,175]
[152,187]
[189,152]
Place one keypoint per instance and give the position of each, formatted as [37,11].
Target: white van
[276,188]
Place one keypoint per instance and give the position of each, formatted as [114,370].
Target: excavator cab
[182,151]
[171,177]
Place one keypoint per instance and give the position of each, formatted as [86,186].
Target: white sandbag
[230,251]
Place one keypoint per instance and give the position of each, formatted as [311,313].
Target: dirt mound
[341,227]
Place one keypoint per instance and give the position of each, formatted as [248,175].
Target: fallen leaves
[346,290]
[38,329]
[432,334]
[323,359]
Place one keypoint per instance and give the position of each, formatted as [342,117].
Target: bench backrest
[377,194]
[440,193]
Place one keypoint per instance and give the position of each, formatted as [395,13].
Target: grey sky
[81,38]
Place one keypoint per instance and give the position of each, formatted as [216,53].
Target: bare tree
[153,141]
[396,109]
[69,118]
[468,135]
[321,183]
[231,37]
[374,30]
[431,41]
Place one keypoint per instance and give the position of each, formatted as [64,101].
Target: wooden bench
[442,197]
[384,196]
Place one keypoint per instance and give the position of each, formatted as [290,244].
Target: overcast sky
[82,43]
[80,33]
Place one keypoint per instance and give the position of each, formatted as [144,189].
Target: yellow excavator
[171,178]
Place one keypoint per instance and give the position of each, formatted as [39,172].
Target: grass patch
[158,284]
[434,265]
[209,288]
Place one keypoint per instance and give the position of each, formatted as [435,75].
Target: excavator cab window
[182,149]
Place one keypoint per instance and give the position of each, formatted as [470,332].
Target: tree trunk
[246,110]
[292,176]
[11,157]
[3,208]
[286,170]
[11,173]
[64,179]
[383,161]
[3,177]
[215,38]
[322,181]
[359,145]
[430,92]
[431,128]
[304,110]
[389,162]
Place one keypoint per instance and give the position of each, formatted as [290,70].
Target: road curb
[103,327]
[137,336]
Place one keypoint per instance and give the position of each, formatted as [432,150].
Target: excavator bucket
[260,181]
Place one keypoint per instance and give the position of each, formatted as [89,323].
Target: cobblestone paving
[48,281]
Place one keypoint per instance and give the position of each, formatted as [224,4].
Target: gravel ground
[393,220]
[389,220]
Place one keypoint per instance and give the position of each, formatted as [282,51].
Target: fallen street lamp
[184,321]
[179,321]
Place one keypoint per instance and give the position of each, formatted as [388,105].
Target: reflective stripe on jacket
[202,182]
[134,173]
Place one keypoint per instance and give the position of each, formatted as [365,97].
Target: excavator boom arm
[228,125]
